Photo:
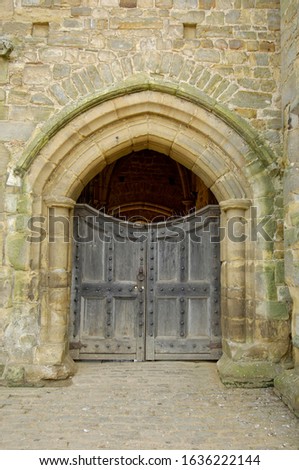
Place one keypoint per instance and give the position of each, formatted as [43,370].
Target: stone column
[233,264]
[241,363]
[53,350]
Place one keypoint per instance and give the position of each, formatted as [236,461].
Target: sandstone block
[206,4]
[14,130]
[207,55]
[120,45]
[4,159]
[17,250]
[267,4]
[3,71]
[81,11]
[59,94]
[41,99]
[37,75]
[14,375]
[164,3]
[248,99]
[65,38]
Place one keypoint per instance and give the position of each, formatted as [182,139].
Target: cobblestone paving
[167,405]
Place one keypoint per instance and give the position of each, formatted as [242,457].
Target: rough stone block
[23,287]
[41,99]
[273,310]
[18,97]
[7,8]
[232,16]
[17,28]
[59,94]
[37,74]
[207,55]
[14,130]
[286,385]
[14,376]
[17,250]
[236,44]
[267,4]
[248,373]
[69,89]
[274,20]
[52,55]
[81,11]
[248,99]
[151,23]
[4,159]
[3,71]
[65,38]
[248,3]
[61,71]
[163,4]
[120,45]
[5,288]
[206,4]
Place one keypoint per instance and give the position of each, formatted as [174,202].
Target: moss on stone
[286,386]
[14,375]
[136,84]
[17,250]
[247,374]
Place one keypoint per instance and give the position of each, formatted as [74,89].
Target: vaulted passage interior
[146,185]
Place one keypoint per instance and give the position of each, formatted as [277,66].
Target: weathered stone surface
[205,55]
[74,39]
[14,376]
[286,386]
[4,159]
[37,74]
[3,71]
[247,373]
[13,130]
[206,4]
[17,249]
[7,8]
[248,99]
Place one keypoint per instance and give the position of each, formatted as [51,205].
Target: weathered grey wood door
[145,292]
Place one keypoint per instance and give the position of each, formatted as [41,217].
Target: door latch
[140,275]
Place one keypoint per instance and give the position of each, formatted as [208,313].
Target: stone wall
[288,383]
[68,51]
[65,49]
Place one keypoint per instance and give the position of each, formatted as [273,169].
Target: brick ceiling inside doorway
[146,185]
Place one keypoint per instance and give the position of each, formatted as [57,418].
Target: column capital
[238,204]
[59,201]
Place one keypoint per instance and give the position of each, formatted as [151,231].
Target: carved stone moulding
[6,47]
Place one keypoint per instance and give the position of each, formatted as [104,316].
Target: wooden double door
[145,292]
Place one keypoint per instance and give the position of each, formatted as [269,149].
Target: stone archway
[204,138]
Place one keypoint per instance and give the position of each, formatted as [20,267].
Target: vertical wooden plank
[167,318]
[93,318]
[198,318]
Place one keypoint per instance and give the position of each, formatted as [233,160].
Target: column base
[286,386]
[31,375]
[247,374]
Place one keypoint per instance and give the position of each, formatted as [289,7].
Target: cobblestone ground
[167,405]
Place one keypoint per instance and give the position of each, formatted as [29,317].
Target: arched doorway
[207,139]
[146,282]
